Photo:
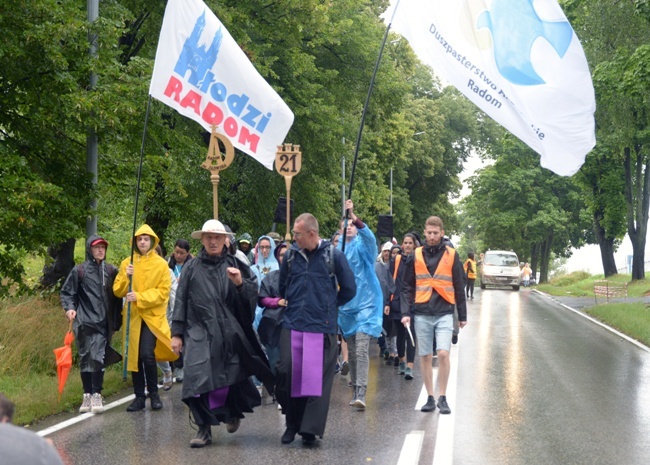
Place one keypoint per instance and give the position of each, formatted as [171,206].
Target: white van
[500,268]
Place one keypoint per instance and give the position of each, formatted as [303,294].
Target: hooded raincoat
[88,290]
[151,283]
[364,313]
[214,318]
[261,269]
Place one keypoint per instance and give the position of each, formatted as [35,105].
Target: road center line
[443,453]
[410,454]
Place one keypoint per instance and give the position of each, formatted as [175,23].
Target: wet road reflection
[540,384]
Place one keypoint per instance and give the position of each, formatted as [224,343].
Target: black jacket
[215,320]
[436,305]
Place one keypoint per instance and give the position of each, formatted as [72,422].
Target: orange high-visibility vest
[398,259]
[441,281]
[471,273]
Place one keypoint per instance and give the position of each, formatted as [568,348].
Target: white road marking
[410,454]
[82,417]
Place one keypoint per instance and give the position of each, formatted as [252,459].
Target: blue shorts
[425,325]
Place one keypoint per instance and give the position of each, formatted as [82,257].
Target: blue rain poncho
[364,313]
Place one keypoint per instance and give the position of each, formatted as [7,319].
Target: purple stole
[217,398]
[307,364]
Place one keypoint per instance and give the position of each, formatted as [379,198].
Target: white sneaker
[168,381]
[85,406]
[96,403]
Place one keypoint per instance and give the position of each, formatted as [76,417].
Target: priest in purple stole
[213,326]
[315,279]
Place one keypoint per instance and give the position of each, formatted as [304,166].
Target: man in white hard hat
[213,316]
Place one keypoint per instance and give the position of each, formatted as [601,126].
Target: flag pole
[133,245]
[363,119]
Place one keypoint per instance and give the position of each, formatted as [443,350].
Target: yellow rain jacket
[151,284]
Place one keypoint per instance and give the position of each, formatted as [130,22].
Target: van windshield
[501,259]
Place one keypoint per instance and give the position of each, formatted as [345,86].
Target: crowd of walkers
[243,315]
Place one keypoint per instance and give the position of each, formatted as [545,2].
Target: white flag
[518,60]
[201,72]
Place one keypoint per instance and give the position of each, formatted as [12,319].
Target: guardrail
[607,289]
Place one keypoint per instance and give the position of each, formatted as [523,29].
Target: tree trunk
[545,258]
[534,258]
[63,261]
[606,249]
[637,200]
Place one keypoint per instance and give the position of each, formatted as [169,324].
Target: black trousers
[93,382]
[305,414]
[146,363]
[404,341]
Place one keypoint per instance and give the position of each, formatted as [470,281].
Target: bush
[570,279]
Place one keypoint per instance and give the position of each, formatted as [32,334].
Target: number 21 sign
[288,161]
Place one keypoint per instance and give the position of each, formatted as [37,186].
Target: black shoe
[308,439]
[156,403]
[454,339]
[396,362]
[442,405]
[203,437]
[430,406]
[137,404]
[288,436]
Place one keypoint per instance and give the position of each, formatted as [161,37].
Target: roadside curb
[594,320]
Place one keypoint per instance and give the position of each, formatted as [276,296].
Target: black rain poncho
[88,290]
[215,319]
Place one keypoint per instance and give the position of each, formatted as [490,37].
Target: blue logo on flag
[515,25]
[199,60]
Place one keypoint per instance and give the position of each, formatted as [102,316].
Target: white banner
[518,60]
[201,72]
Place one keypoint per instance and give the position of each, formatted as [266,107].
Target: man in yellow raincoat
[149,334]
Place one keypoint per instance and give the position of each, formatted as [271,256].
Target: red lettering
[212,114]
[174,86]
[245,137]
[230,126]
[192,100]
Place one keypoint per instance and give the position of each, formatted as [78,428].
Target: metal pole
[343,186]
[363,118]
[91,136]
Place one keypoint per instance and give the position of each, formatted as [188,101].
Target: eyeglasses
[264,247]
[298,234]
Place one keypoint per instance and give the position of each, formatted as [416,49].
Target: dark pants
[469,291]
[305,414]
[93,382]
[146,364]
[404,341]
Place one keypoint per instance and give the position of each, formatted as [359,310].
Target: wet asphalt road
[536,384]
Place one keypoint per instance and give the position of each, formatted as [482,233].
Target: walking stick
[133,245]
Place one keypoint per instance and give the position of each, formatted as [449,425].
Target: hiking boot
[345,368]
[96,403]
[288,436]
[308,439]
[233,425]
[402,368]
[156,403]
[454,339]
[430,406]
[442,405]
[203,437]
[408,373]
[137,404]
[360,401]
[86,404]
[178,375]
[168,381]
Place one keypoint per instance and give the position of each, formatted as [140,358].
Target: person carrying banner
[213,326]
[433,280]
[315,279]
[148,329]
[361,318]
[88,300]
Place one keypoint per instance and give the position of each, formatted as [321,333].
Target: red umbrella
[64,359]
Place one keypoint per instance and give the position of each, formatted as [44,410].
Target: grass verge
[632,319]
[30,329]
